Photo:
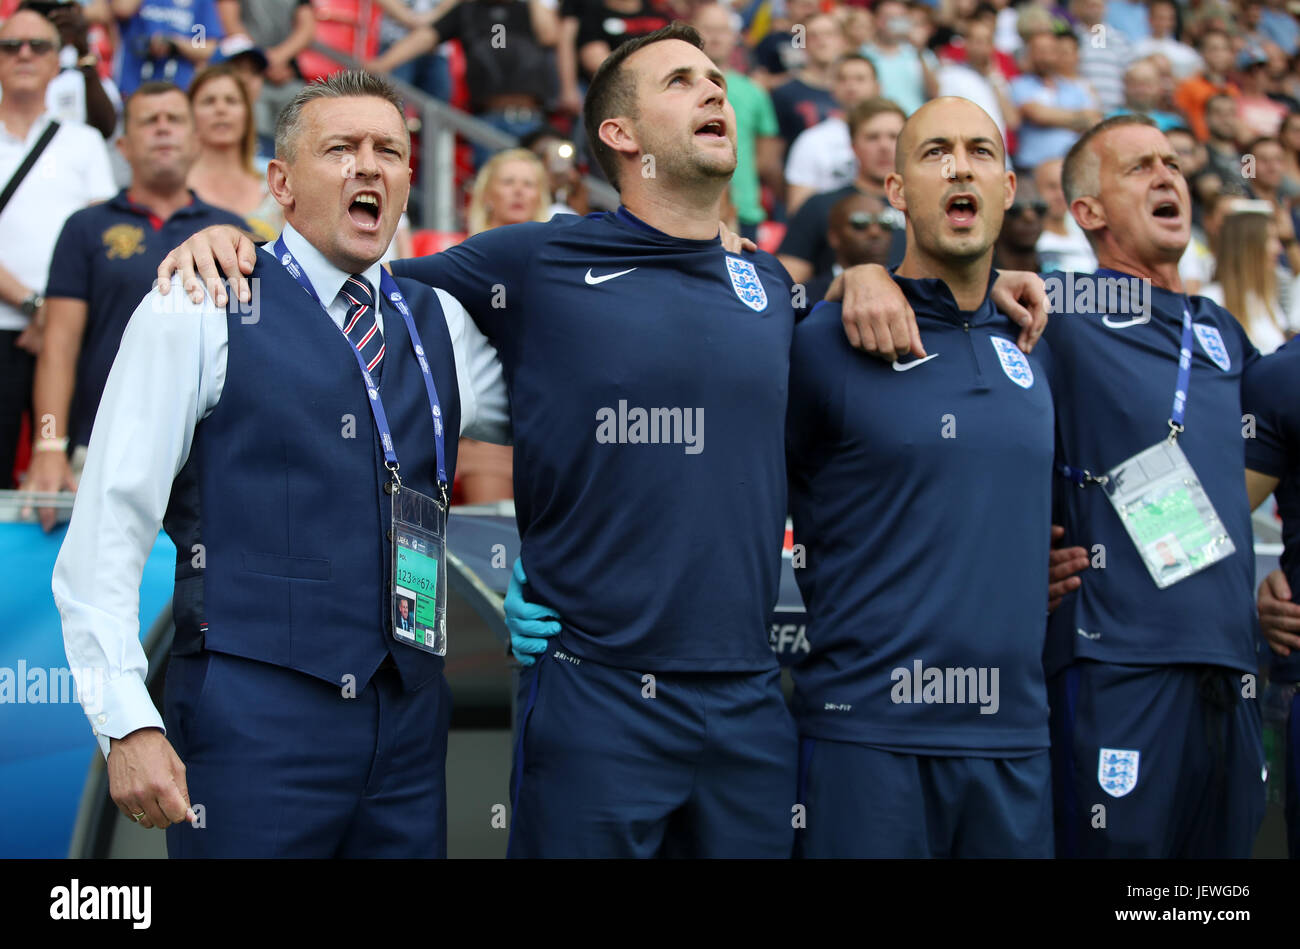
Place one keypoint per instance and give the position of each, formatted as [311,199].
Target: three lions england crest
[744,280]
[1117,770]
[1014,363]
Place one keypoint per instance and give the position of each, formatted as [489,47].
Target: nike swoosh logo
[1145,318]
[904,366]
[592,281]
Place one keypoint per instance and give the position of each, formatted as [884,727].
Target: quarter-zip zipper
[974,358]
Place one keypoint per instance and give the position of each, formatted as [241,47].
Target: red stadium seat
[456,66]
[349,26]
[770,235]
[427,242]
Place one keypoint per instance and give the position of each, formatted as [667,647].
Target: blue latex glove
[530,625]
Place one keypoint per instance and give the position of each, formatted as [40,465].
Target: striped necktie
[361,326]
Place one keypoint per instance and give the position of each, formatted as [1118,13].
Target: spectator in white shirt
[1164,40]
[78,93]
[1007,36]
[821,158]
[1063,245]
[72,171]
[979,79]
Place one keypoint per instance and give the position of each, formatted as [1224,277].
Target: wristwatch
[33,303]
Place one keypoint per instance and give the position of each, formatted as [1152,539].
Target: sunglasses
[1038,207]
[861,220]
[38,47]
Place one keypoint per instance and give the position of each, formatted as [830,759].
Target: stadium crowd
[167,111]
[820,92]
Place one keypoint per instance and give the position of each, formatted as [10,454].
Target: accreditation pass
[419,592]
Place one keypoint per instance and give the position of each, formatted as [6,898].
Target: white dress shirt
[71,173]
[168,376]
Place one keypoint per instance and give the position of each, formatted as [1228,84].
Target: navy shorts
[612,763]
[869,802]
[1155,761]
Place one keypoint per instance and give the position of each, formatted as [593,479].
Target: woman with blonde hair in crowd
[1245,274]
[512,187]
[224,174]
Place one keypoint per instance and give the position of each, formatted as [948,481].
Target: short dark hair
[541,133]
[840,209]
[1207,33]
[1253,145]
[868,109]
[1081,162]
[345,84]
[854,58]
[155,87]
[613,91]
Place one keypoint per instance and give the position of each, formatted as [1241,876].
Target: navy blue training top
[647,378]
[1271,392]
[922,496]
[1113,373]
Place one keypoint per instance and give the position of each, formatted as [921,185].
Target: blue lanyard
[389,289]
[1184,376]
[1082,476]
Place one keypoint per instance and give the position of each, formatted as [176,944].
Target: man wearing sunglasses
[1017,247]
[78,93]
[71,172]
[862,231]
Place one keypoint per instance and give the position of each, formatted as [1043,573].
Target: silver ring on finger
[138,817]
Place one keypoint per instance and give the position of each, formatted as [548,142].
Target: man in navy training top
[923,719]
[1156,739]
[648,371]
[1271,397]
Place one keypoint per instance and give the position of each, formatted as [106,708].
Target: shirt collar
[624,216]
[932,297]
[1170,304]
[326,279]
[122,201]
